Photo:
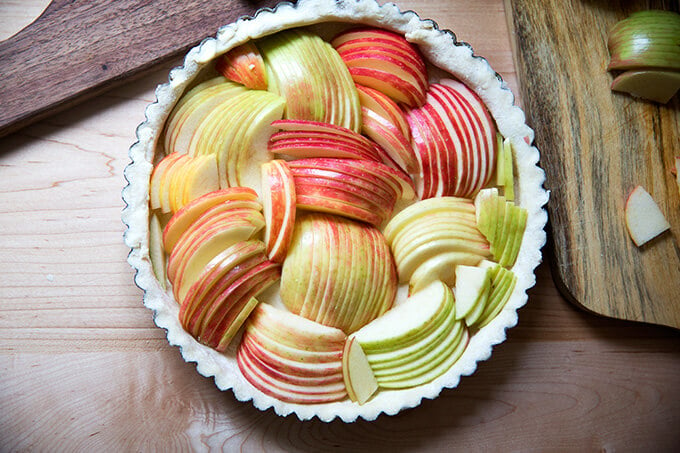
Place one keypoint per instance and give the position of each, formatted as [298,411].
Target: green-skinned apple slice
[308,73]
[359,379]
[503,283]
[473,285]
[404,322]
[416,379]
[420,352]
[190,116]
[508,171]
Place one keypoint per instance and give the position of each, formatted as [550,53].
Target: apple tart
[334,209]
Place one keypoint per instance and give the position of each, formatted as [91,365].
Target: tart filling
[334,209]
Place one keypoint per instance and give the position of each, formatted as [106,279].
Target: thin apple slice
[390,138]
[157,175]
[357,373]
[243,64]
[644,219]
[473,285]
[653,84]
[278,202]
[502,285]
[405,321]
[385,107]
[156,251]
[508,171]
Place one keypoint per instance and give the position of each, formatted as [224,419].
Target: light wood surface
[596,147]
[84,368]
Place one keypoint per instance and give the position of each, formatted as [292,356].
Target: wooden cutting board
[76,49]
[596,146]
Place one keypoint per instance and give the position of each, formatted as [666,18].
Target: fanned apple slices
[292,358]
[338,272]
[301,184]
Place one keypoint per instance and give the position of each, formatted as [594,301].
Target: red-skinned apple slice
[318,203]
[304,148]
[385,107]
[390,138]
[278,201]
[181,220]
[220,278]
[243,64]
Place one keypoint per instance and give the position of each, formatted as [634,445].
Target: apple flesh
[359,378]
[644,219]
[472,290]
[244,64]
[156,251]
[652,84]
[503,282]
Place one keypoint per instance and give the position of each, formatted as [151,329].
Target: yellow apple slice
[655,85]
[202,177]
[508,171]
[357,373]
[644,219]
[156,251]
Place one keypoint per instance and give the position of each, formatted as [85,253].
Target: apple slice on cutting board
[644,219]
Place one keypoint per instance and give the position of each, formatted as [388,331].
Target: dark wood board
[596,146]
[75,49]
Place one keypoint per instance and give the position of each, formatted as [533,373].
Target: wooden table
[84,368]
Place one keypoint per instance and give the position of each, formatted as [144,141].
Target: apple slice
[157,175]
[503,282]
[200,178]
[656,85]
[156,251]
[357,373]
[508,171]
[473,285]
[644,219]
[278,202]
[243,64]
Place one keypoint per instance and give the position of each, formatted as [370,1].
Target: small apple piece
[243,64]
[503,283]
[655,85]
[357,373]
[644,219]
[156,250]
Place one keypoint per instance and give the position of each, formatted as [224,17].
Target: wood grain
[596,147]
[74,50]
[84,368]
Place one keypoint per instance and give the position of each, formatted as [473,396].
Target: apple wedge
[644,219]
[156,251]
[652,84]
